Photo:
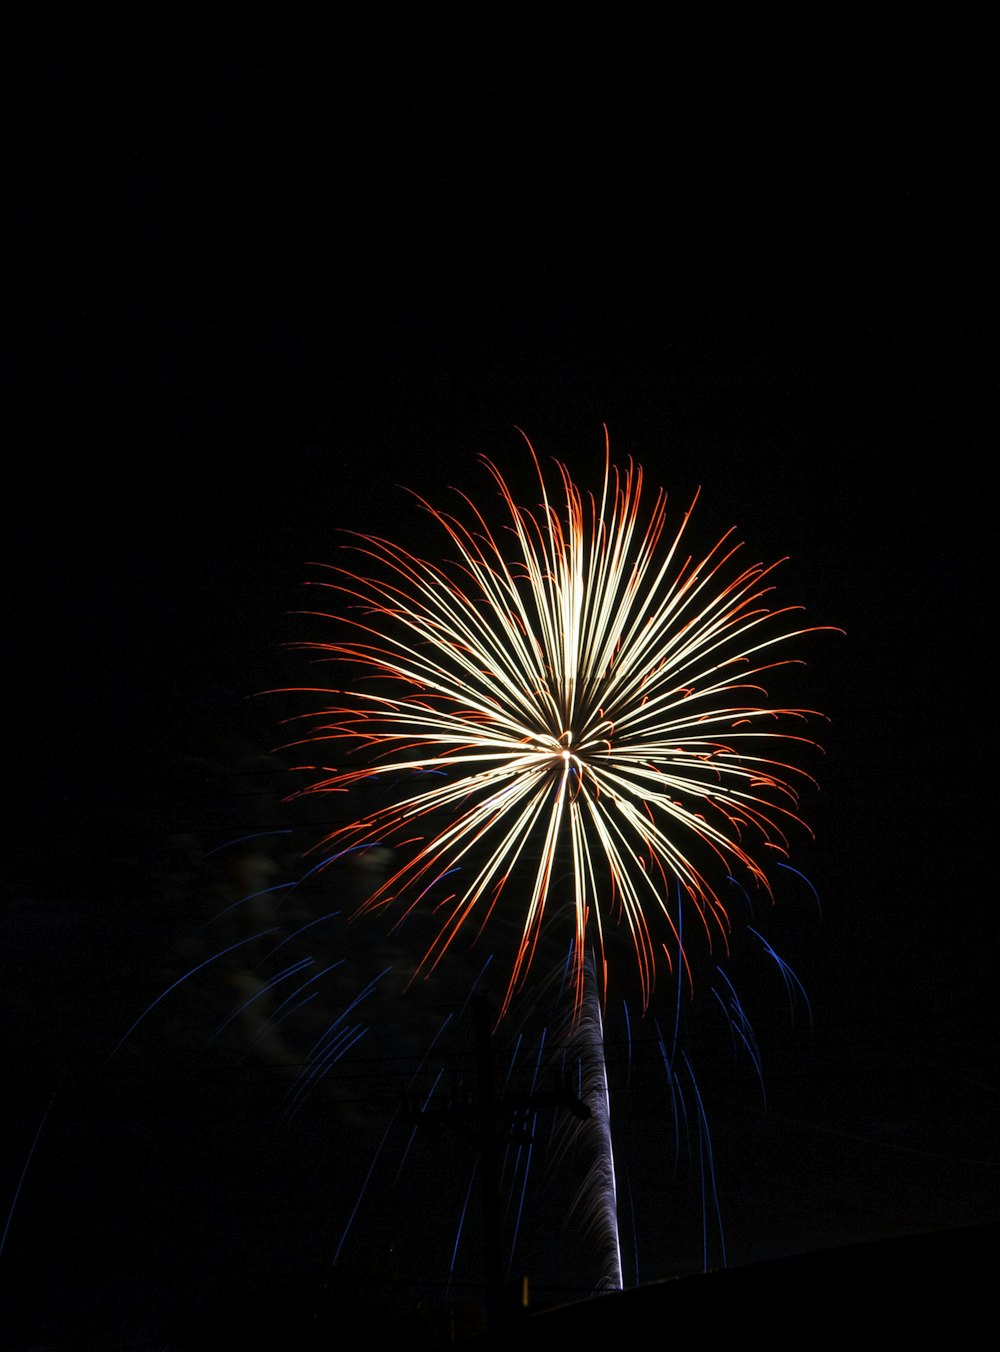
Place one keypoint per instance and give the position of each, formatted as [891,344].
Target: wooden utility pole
[486,1123]
[489,1164]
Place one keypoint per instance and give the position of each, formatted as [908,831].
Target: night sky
[267,276]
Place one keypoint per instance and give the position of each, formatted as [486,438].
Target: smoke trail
[596,1201]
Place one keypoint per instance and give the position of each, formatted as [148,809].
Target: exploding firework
[559,735]
[570,711]
[561,740]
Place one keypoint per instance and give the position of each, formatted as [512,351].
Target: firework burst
[574,697]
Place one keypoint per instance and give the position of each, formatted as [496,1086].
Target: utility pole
[486,1124]
[489,1165]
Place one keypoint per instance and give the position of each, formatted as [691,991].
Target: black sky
[264,273]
